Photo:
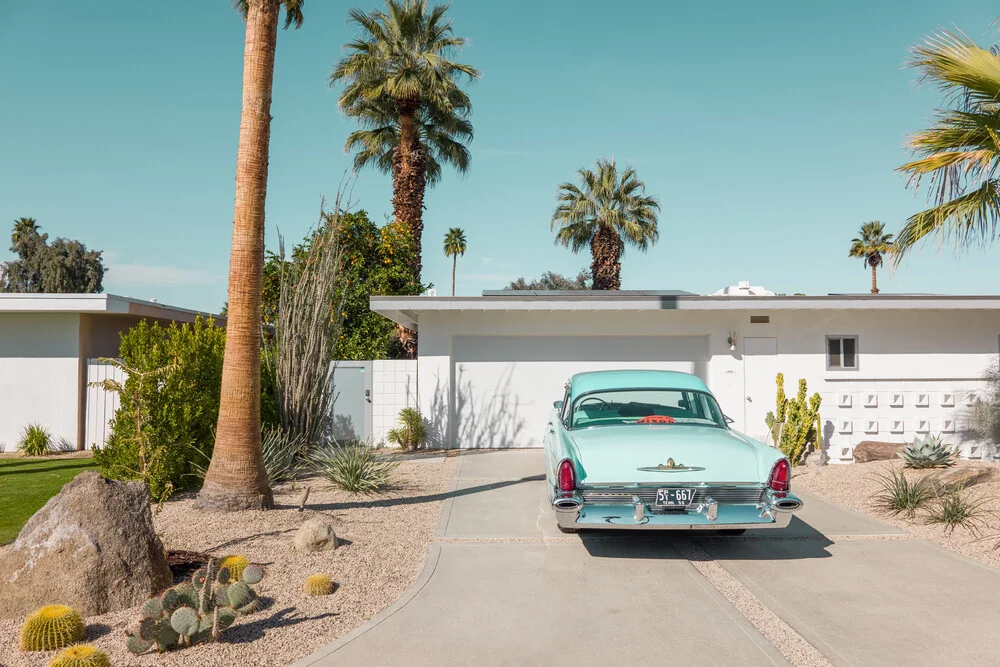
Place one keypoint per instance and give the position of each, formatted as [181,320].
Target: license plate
[674,497]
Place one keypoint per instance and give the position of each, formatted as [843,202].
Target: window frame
[841,338]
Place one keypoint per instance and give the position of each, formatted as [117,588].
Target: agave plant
[929,452]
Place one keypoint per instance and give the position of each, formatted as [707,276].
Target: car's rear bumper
[724,517]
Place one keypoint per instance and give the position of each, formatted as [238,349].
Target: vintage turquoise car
[652,450]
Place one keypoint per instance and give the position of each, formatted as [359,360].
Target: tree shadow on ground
[95,631]
[86,464]
[429,498]
[283,618]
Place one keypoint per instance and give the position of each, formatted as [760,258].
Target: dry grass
[840,483]
[384,542]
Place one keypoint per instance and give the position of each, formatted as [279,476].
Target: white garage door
[504,386]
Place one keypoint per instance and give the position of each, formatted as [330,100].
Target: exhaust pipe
[787,504]
[567,504]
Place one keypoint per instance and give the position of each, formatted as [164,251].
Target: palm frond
[969,219]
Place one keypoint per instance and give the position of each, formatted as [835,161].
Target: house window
[841,352]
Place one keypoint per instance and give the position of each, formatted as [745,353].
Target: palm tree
[236,478]
[454,245]
[605,212]
[960,153]
[402,86]
[871,244]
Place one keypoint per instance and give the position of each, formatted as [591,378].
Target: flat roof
[405,310]
[110,304]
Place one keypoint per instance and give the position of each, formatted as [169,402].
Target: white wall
[39,375]
[930,352]
[394,387]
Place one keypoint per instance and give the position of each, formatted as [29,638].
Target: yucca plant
[929,452]
[35,440]
[358,467]
[281,454]
[412,431]
[897,495]
[955,509]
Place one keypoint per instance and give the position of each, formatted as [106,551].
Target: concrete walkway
[502,586]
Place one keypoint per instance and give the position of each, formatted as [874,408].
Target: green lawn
[26,484]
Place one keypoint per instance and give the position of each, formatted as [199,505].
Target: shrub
[177,411]
[358,467]
[929,452]
[281,454]
[898,495]
[35,440]
[51,628]
[793,424]
[81,655]
[954,509]
[318,584]
[412,432]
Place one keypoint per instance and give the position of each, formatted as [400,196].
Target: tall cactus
[793,424]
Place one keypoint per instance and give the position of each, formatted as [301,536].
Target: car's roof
[582,383]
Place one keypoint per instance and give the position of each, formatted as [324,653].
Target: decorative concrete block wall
[394,387]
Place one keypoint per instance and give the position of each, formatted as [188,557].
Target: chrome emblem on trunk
[669,466]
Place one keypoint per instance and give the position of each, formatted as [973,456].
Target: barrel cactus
[51,628]
[235,565]
[195,612]
[928,452]
[81,655]
[318,584]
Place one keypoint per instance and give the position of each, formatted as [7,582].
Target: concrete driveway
[502,586]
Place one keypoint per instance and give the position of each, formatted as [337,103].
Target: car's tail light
[566,476]
[781,476]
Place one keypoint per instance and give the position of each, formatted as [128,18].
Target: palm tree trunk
[454,266]
[409,180]
[236,478]
[874,285]
[606,250]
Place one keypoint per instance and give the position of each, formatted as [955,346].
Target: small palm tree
[454,245]
[402,86]
[606,211]
[871,245]
[960,153]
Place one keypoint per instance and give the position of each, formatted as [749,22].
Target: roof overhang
[406,310]
[109,304]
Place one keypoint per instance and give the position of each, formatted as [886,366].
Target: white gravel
[840,484]
[384,543]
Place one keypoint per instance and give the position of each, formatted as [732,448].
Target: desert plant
[871,245]
[955,509]
[281,454]
[897,495]
[793,424]
[357,467]
[236,565]
[412,432]
[81,655]
[196,612]
[318,584]
[51,628]
[35,440]
[928,452]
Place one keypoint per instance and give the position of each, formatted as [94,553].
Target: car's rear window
[643,406]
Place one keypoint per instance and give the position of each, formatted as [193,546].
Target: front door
[760,366]
[352,404]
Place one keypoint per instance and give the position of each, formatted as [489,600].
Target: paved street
[504,587]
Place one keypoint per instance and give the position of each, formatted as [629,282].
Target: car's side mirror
[557,405]
[728,419]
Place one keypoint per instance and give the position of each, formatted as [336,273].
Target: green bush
[179,410]
[955,509]
[412,431]
[35,440]
[898,495]
[358,467]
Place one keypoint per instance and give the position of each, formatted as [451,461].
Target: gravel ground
[840,483]
[384,541]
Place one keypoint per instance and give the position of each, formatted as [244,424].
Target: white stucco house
[47,346]
[888,367]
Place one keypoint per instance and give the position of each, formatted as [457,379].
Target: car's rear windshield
[645,406]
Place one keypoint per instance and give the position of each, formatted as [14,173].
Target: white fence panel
[101,404]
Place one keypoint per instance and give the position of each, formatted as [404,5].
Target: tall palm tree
[606,211]
[236,478]
[871,245]
[454,245]
[960,152]
[402,86]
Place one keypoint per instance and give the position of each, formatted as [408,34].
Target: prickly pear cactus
[318,584]
[81,655]
[51,628]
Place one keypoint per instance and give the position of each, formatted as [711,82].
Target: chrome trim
[639,511]
[726,495]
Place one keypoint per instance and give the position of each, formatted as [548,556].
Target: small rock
[91,547]
[872,450]
[956,479]
[315,534]
[816,459]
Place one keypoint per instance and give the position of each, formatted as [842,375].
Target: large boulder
[956,479]
[315,534]
[92,547]
[872,450]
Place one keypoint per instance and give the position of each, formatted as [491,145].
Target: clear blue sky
[769,131]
